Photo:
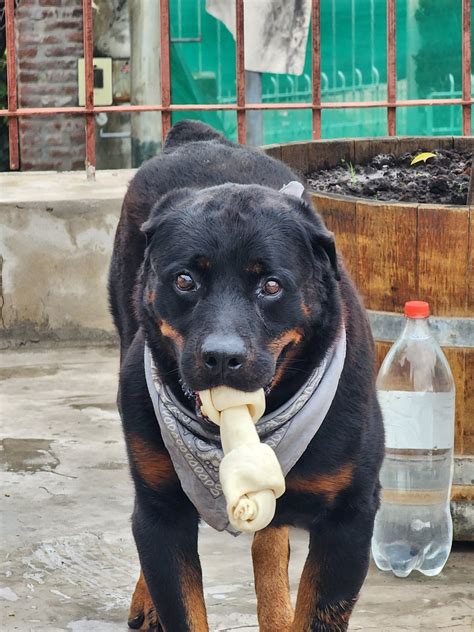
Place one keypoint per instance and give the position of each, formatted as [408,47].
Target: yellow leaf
[423,157]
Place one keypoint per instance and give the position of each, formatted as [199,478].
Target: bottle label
[415,420]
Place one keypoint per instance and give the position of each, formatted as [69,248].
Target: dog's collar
[194,443]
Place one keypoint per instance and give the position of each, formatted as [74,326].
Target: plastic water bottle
[413,527]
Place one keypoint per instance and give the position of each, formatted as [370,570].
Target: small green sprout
[350,169]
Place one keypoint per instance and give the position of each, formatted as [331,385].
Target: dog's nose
[223,354]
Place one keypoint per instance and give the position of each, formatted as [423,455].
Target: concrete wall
[56,235]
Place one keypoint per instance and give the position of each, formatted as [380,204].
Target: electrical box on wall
[102,81]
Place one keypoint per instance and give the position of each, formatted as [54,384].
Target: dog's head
[235,279]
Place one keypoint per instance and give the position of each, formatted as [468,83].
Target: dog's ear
[168,205]
[149,227]
[323,239]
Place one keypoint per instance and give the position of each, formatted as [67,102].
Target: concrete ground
[67,560]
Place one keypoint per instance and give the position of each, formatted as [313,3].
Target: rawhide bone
[249,473]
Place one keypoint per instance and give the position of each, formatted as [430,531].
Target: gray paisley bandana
[194,443]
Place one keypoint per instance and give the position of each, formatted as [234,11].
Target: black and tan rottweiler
[209,252]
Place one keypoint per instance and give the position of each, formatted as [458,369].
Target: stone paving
[67,558]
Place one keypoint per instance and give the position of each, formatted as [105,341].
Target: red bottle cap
[417,309]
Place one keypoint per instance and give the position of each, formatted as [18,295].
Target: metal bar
[316,67]
[240,71]
[391,69]
[391,103]
[165,69]
[466,66]
[89,88]
[449,332]
[12,98]
[207,107]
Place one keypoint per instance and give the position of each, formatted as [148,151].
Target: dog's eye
[185,282]
[271,287]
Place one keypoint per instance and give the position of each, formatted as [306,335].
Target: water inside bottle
[413,528]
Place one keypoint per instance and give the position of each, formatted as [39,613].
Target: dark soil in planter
[441,180]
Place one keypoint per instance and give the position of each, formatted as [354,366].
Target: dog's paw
[142,614]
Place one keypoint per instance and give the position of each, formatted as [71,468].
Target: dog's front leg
[270,555]
[167,547]
[334,572]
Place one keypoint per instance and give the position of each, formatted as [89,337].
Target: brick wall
[49,43]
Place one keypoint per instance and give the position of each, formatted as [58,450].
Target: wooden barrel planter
[403,251]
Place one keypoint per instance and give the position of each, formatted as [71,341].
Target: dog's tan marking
[306,598]
[203,263]
[154,466]
[270,555]
[328,485]
[151,297]
[334,617]
[254,267]
[169,331]
[193,597]
[277,345]
[305,309]
[281,370]
[142,606]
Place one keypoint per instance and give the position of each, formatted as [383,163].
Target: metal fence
[241,107]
